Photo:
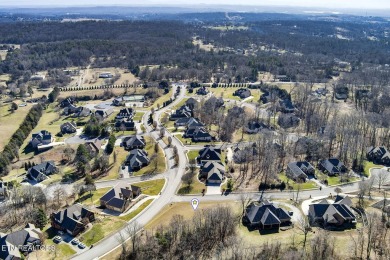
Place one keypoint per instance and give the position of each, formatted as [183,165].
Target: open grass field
[152,187]
[113,172]
[138,116]
[151,169]
[9,122]
[162,99]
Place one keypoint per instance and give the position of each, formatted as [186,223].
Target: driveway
[213,189]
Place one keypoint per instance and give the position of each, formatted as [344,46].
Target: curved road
[173,180]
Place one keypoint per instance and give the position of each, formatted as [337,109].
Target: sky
[358,4]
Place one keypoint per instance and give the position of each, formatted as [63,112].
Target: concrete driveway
[213,189]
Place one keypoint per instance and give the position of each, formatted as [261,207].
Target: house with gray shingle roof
[119,197]
[41,138]
[332,167]
[265,215]
[134,142]
[379,155]
[299,171]
[213,172]
[68,127]
[41,171]
[209,153]
[137,159]
[22,241]
[328,214]
[72,220]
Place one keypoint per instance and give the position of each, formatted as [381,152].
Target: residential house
[104,113]
[346,200]
[242,93]
[254,127]
[105,75]
[379,155]
[201,135]
[119,197]
[283,78]
[332,167]
[299,171]
[137,159]
[124,125]
[134,142]
[341,93]
[212,172]
[188,122]
[20,242]
[68,127]
[41,138]
[70,109]
[41,171]
[287,106]
[265,215]
[327,214]
[202,91]
[3,190]
[192,103]
[241,155]
[82,112]
[125,113]
[209,153]
[183,112]
[66,102]
[72,220]
[93,146]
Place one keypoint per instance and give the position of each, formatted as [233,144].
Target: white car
[57,239]
[75,241]
[81,245]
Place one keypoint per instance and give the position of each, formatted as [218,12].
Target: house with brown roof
[72,220]
[119,197]
[94,146]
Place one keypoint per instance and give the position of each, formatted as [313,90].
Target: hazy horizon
[329,4]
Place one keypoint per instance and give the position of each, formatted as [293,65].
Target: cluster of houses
[302,170]
[194,128]
[124,120]
[264,214]
[212,169]
[70,108]
[138,157]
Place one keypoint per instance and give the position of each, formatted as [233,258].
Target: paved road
[173,176]
[173,180]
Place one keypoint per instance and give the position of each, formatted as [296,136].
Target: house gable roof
[210,153]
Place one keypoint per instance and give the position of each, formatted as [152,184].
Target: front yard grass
[134,213]
[195,188]
[101,228]
[303,186]
[152,187]
[367,165]
[192,154]
[93,198]
[160,101]
[113,172]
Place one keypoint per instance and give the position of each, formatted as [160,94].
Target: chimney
[120,195]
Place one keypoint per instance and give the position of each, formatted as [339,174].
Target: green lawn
[113,172]
[195,188]
[122,133]
[10,122]
[134,213]
[290,182]
[161,165]
[181,103]
[138,116]
[334,180]
[101,228]
[152,187]
[368,165]
[89,200]
[162,99]
[192,154]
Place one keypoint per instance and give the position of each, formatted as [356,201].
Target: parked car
[75,241]
[57,239]
[81,245]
